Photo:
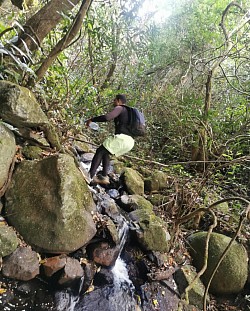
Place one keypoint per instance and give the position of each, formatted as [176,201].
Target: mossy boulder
[8,240]
[212,197]
[157,181]
[49,204]
[153,234]
[232,273]
[133,181]
[7,152]
[20,108]
[139,202]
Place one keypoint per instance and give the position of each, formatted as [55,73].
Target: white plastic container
[94,126]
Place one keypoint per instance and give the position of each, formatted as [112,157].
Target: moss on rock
[8,240]
[133,181]
[231,275]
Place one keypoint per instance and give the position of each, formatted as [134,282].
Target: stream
[110,289]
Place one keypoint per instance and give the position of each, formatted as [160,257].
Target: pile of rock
[54,225]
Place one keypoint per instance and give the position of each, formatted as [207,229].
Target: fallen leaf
[2,290]
[155,302]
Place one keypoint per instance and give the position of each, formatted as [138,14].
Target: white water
[120,274]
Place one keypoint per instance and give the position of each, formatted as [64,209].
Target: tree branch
[75,27]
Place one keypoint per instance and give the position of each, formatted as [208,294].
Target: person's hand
[88,122]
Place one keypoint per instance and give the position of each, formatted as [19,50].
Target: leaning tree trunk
[65,41]
[40,24]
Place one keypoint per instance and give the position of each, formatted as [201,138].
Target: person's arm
[106,117]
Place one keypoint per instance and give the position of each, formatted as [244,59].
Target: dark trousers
[101,155]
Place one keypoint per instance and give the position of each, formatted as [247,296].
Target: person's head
[120,99]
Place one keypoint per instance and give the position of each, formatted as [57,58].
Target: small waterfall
[120,274]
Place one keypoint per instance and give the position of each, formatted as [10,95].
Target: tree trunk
[201,152]
[40,24]
[65,41]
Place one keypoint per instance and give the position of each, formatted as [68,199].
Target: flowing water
[118,296]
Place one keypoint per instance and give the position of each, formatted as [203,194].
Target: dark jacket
[120,116]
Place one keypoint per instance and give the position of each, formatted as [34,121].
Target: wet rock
[49,204]
[8,240]
[232,273]
[72,271]
[108,298]
[133,181]
[111,227]
[22,264]
[110,208]
[125,202]
[25,295]
[7,152]
[103,277]
[89,273]
[137,270]
[104,255]
[87,157]
[184,277]
[113,193]
[159,296]
[29,288]
[54,264]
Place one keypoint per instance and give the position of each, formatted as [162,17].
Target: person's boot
[101,180]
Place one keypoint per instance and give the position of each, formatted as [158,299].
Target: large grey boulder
[231,275]
[7,152]
[50,205]
[20,108]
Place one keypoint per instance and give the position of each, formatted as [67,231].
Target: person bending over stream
[118,144]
